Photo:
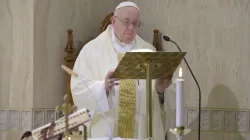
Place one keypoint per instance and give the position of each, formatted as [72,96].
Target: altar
[106,138]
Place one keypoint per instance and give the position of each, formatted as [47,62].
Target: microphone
[166,38]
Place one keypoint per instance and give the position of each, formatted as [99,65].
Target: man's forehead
[130,12]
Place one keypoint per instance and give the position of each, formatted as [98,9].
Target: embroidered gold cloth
[127,107]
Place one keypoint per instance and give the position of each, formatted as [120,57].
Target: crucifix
[66,109]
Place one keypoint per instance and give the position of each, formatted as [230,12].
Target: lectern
[148,65]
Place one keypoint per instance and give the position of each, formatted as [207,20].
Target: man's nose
[130,27]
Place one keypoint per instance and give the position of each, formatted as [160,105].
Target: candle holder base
[180,132]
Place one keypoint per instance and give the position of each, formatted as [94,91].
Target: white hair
[117,12]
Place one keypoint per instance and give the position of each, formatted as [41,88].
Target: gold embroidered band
[127,107]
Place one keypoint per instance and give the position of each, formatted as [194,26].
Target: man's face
[126,24]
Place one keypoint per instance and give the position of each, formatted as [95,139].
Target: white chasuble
[93,63]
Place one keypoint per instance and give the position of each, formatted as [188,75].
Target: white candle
[180,100]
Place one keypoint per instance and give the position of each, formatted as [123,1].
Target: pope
[118,108]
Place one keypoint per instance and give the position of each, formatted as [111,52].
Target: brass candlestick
[180,132]
[72,73]
[66,109]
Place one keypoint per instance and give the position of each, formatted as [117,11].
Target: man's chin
[127,41]
[129,38]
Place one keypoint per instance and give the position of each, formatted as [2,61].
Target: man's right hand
[110,82]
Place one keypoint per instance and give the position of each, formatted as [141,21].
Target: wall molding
[26,119]
[213,119]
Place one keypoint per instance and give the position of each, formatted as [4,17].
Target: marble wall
[33,35]
[16,47]
[215,34]
[16,74]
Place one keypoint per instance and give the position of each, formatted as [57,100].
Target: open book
[57,128]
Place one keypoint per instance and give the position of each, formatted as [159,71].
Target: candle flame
[180,72]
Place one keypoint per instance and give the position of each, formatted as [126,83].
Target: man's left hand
[162,84]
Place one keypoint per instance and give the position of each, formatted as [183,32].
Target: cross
[66,109]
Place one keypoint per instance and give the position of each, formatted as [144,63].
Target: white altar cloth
[118,138]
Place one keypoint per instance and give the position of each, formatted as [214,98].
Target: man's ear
[112,19]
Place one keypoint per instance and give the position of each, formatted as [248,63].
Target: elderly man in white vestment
[99,93]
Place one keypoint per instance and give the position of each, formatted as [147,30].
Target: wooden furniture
[71,53]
